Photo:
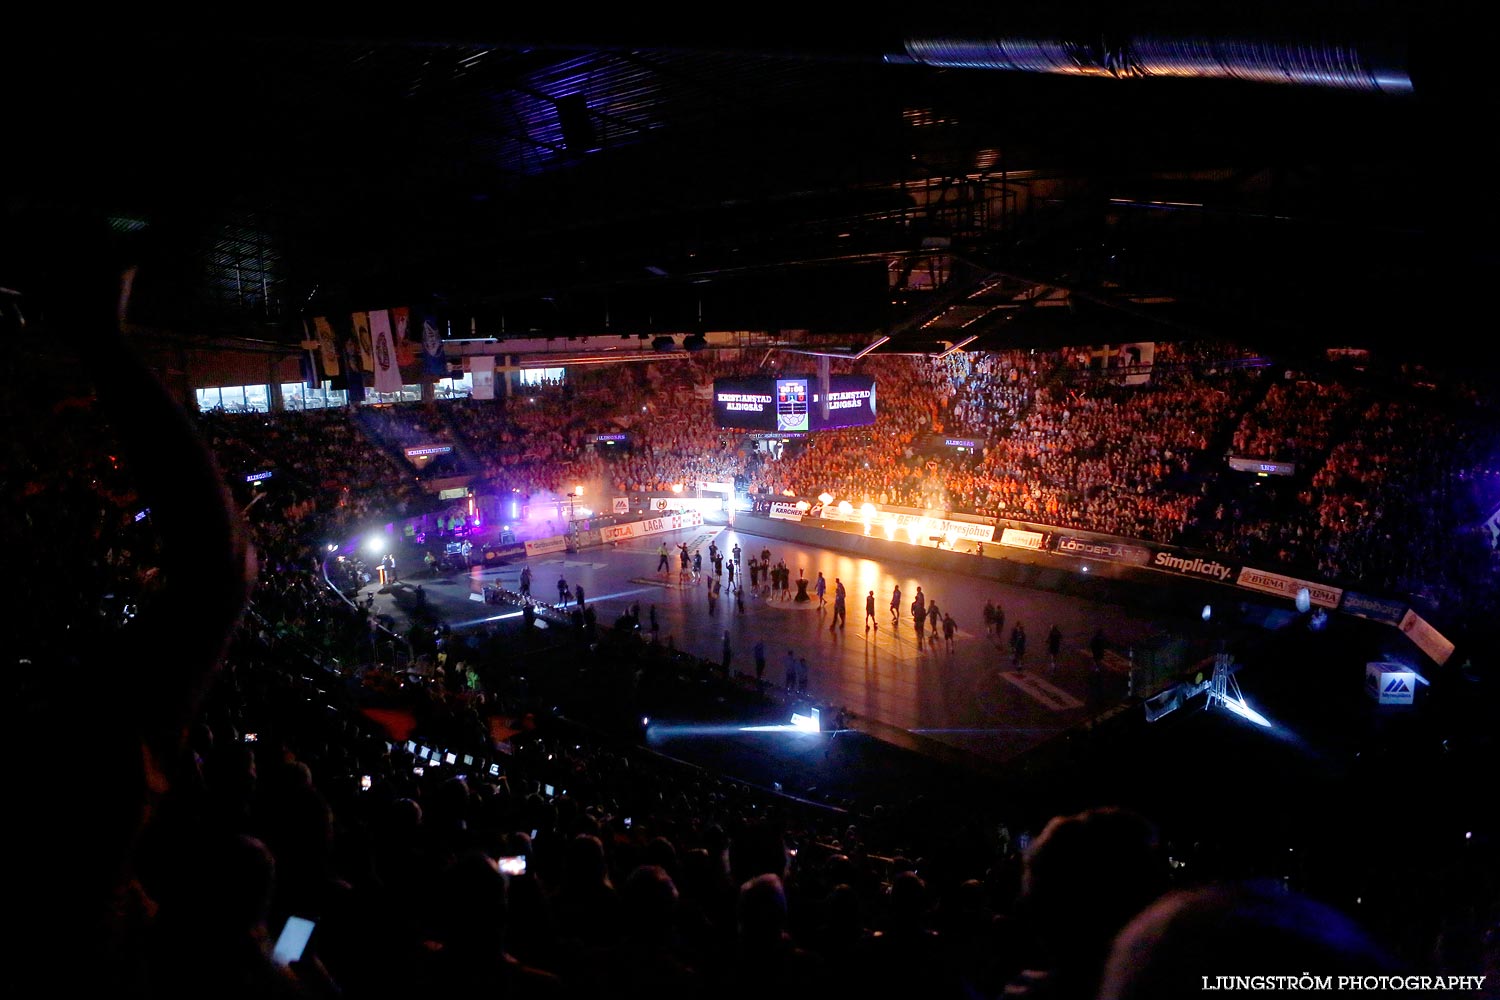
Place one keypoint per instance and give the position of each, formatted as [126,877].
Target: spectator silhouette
[211,937]
[767,962]
[1084,877]
[470,957]
[1234,930]
[648,962]
[905,958]
[136,720]
[586,905]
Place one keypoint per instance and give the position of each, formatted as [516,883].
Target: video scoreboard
[793,403]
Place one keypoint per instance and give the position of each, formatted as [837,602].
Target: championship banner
[1428,639]
[543,546]
[1021,539]
[406,350]
[1289,586]
[308,360]
[362,341]
[434,362]
[328,344]
[387,374]
[354,379]
[482,367]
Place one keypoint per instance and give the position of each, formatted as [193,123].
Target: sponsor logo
[1397,685]
[1072,546]
[1022,539]
[256,477]
[506,551]
[785,511]
[1192,567]
[429,449]
[542,546]
[1286,586]
[1373,608]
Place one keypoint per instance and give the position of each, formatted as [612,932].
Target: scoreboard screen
[793,404]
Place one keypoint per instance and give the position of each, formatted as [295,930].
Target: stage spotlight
[375,543]
[810,723]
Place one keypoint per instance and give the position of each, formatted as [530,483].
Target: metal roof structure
[1293,176]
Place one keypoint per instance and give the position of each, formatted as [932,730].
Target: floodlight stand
[1222,687]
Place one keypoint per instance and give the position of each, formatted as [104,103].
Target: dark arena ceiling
[1290,175]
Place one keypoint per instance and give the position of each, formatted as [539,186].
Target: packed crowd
[1054,444]
[558,861]
[321,461]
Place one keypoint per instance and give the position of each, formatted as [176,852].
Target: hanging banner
[328,344]
[387,373]
[354,379]
[308,360]
[362,341]
[482,367]
[434,361]
[406,349]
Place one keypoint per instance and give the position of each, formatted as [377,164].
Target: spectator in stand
[1191,937]
[1085,877]
[767,961]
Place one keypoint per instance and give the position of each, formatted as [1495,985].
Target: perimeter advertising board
[784,511]
[650,526]
[1319,594]
[1428,639]
[1092,548]
[542,546]
[793,403]
[1018,538]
